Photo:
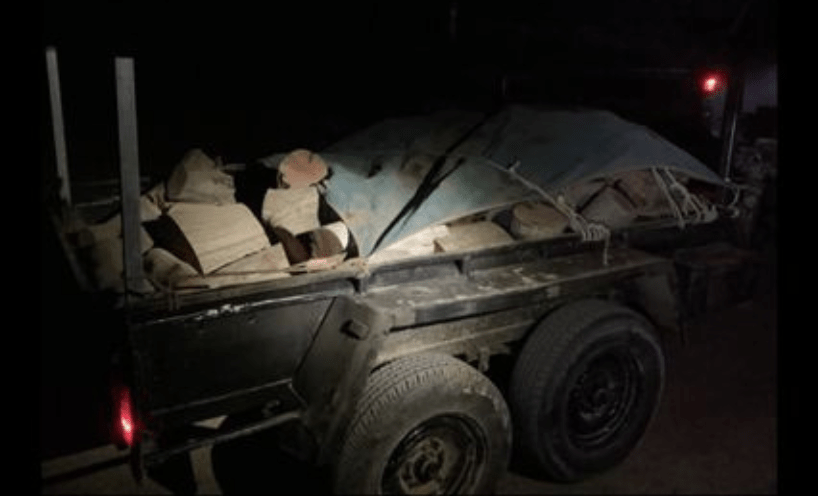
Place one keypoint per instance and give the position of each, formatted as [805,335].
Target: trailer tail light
[126,423]
[712,83]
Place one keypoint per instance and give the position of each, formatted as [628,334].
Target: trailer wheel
[585,387]
[427,424]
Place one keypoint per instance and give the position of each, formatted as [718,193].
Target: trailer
[377,366]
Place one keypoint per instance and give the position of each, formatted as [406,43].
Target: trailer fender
[334,370]
[656,296]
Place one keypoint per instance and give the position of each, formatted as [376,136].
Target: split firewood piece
[341,232]
[301,168]
[112,228]
[322,242]
[165,270]
[320,264]
[294,209]
[643,190]
[106,261]
[418,244]
[536,220]
[212,235]
[472,236]
[157,201]
[197,179]
[610,208]
[266,265]
[578,194]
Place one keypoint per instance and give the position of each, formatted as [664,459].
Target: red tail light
[126,422]
[712,83]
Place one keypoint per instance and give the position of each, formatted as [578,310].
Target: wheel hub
[601,399]
[438,457]
[425,467]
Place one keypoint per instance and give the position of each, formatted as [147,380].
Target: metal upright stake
[57,123]
[129,175]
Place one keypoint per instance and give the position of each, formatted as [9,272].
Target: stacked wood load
[195,234]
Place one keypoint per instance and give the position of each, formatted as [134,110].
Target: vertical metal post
[735,92]
[129,175]
[57,124]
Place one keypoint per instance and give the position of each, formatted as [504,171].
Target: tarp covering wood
[399,177]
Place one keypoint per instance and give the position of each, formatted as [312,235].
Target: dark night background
[243,80]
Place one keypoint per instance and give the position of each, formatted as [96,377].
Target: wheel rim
[602,399]
[443,455]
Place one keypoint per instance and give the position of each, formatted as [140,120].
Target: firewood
[534,220]
[165,270]
[472,236]
[301,168]
[611,208]
[197,179]
[213,235]
[421,243]
[295,209]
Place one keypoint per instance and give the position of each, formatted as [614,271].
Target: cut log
[536,220]
[215,235]
[295,210]
[301,168]
[472,237]
[197,179]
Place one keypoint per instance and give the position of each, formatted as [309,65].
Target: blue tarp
[377,171]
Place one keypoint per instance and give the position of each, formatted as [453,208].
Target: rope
[588,231]
[703,210]
[663,186]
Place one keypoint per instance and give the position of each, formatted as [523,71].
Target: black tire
[585,387]
[426,424]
